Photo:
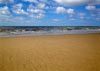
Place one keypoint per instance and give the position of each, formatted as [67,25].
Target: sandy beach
[80,52]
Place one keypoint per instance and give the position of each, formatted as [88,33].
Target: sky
[49,12]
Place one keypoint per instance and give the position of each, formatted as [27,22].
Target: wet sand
[50,53]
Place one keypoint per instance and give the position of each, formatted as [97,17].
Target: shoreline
[46,33]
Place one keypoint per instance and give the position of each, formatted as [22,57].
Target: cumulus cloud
[4,10]
[70,11]
[34,1]
[77,2]
[38,8]
[72,2]
[81,15]
[36,15]
[4,14]
[90,7]
[43,0]
[0,1]
[35,12]
[61,10]
[96,2]
[6,1]
[56,20]
[17,9]
[18,6]
[41,5]
[98,19]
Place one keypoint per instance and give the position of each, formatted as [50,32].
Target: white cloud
[6,1]
[72,19]
[0,1]
[17,6]
[11,1]
[4,14]
[38,4]
[34,1]
[81,15]
[43,0]
[20,11]
[41,5]
[72,2]
[17,9]
[98,19]
[61,10]
[90,7]
[33,9]
[40,15]
[57,20]
[4,10]
[77,2]
[96,2]
[70,11]
[35,12]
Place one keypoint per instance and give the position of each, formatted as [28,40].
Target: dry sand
[50,53]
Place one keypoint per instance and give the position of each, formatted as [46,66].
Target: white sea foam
[53,32]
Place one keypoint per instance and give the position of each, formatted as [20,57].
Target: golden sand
[50,53]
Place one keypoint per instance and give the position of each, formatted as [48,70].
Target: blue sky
[49,12]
